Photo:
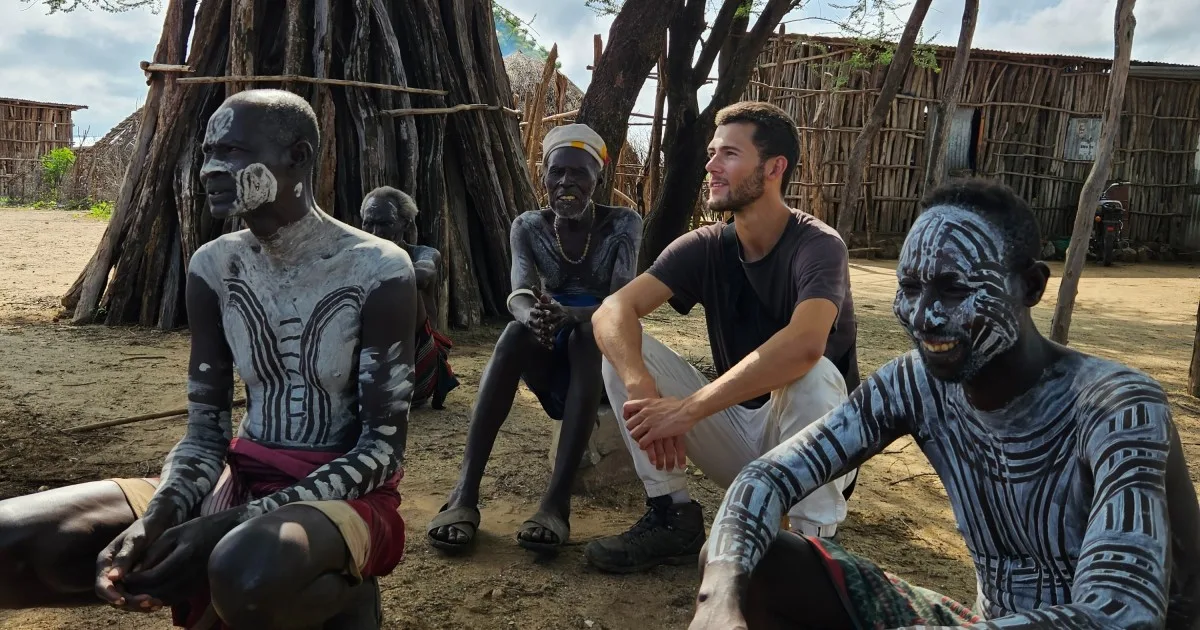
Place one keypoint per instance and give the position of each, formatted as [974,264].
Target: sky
[91,58]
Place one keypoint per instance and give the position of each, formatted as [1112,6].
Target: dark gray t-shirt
[746,303]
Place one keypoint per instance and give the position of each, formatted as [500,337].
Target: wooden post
[533,133]
[242,43]
[940,143]
[856,164]
[1060,326]
[650,187]
[1194,370]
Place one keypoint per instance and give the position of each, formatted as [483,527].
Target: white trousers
[723,443]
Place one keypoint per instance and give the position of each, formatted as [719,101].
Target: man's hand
[667,453]
[179,557]
[117,560]
[652,419]
[546,318]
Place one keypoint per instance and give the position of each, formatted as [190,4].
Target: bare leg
[790,589]
[579,418]
[285,569]
[517,352]
[49,542]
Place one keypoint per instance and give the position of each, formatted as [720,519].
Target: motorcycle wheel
[1110,248]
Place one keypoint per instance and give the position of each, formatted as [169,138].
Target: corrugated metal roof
[1147,69]
[20,101]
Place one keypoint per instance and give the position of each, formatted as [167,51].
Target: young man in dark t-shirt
[775,286]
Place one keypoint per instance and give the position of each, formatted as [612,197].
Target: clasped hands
[149,565]
[659,424]
[546,318]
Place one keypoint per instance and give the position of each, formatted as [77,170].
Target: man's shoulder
[1107,387]
[210,256]
[812,229]
[530,219]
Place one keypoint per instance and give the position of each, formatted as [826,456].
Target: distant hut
[1030,121]
[562,100]
[29,130]
[101,167]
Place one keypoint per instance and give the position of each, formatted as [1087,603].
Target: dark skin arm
[194,464]
[426,263]
[385,384]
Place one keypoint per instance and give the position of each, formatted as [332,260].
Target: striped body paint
[311,321]
[1060,495]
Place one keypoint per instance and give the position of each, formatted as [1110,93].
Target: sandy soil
[53,376]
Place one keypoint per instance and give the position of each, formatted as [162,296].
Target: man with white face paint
[1064,471]
[290,521]
[775,286]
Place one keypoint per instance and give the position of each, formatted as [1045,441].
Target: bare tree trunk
[689,129]
[635,42]
[1194,370]
[856,163]
[1123,27]
[940,144]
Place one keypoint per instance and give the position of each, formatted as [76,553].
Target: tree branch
[716,39]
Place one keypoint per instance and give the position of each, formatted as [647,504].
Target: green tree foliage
[111,6]
[865,21]
[513,34]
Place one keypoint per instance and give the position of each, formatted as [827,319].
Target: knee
[248,576]
[514,339]
[582,342]
[823,388]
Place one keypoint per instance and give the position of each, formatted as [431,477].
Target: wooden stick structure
[288,78]
[142,418]
[464,107]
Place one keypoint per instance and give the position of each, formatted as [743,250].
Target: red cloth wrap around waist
[254,471]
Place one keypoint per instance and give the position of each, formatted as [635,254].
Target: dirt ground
[54,375]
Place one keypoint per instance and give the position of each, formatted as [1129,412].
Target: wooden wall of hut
[29,130]
[1019,123]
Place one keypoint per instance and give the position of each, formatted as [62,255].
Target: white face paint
[299,189]
[256,186]
[957,298]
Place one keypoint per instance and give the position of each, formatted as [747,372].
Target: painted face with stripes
[957,297]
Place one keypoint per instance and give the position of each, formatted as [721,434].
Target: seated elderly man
[287,524]
[565,259]
[1064,470]
[391,215]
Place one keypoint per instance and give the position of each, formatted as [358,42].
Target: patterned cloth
[878,600]
[554,400]
[434,376]
[253,471]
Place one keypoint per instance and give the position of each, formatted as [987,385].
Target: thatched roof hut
[1030,121]
[29,130]
[101,167]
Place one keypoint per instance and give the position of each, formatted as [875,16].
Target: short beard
[745,194]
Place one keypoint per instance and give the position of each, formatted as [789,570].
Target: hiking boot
[667,534]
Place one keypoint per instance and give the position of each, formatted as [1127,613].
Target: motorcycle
[1108,226]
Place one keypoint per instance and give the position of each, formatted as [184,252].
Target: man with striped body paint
[1065,472]
[291,520]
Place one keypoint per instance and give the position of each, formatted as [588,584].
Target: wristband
[515,293]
